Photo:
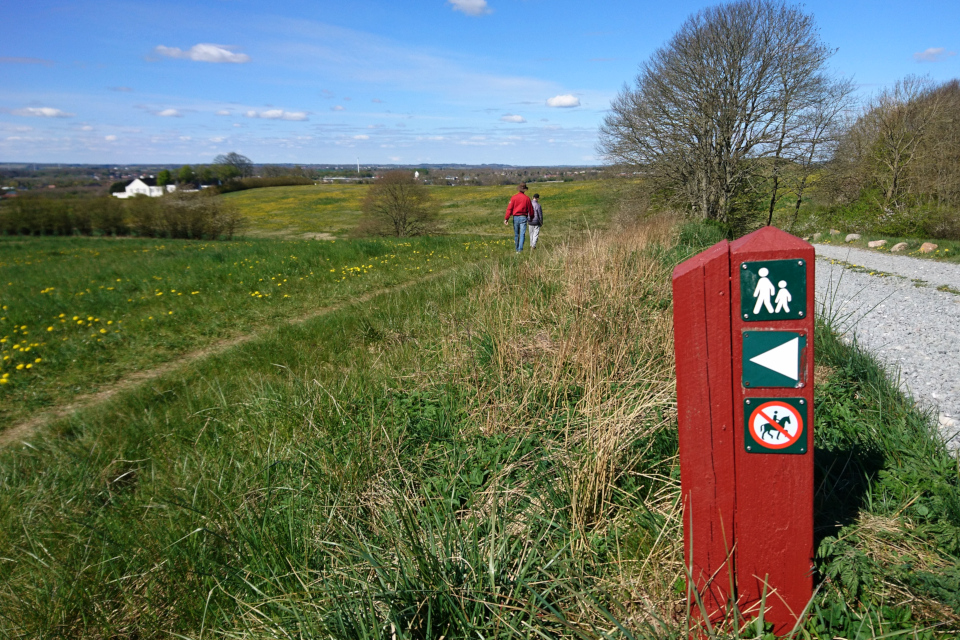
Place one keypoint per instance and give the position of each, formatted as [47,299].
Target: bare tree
[900,119]
[821,127]
[938,173]
[728,89]
[234,165]
[397,204]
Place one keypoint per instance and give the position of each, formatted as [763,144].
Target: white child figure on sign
[764,290]
[783,297]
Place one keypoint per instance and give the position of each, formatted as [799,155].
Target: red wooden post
[774,528]
[701,308]
[743,330]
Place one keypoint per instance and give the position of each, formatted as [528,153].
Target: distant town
[78,180]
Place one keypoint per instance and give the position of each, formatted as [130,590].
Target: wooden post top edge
[769,239]
[721,249]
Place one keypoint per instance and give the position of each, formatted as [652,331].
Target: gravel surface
[899,314]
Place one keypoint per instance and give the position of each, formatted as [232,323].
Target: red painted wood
[701,299]
[774,508]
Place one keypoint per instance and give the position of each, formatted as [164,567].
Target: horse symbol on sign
[769,429]
[775,424]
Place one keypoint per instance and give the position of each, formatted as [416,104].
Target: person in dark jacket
[536,221]
[521,209]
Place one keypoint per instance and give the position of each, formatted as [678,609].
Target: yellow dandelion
[38,360]
[4,381]
[19,367]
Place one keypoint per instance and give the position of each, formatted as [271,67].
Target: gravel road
[899,314]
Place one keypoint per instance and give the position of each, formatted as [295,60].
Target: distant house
[145,187]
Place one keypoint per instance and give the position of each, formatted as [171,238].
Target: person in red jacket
[521,208]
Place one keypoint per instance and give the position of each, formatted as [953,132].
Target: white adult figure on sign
[764,291]
[783,297]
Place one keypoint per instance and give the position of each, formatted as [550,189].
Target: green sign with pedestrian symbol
[773,290]
[773,358]
[775,425]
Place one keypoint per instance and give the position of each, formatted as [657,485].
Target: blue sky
[438,81]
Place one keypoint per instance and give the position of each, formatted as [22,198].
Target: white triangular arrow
[784,359]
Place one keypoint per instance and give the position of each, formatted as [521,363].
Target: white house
[146,187]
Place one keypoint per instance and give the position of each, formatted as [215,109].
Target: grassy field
[334,209]
[489,453]
[78,313]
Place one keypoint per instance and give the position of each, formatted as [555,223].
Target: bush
[176,215]
[39,215]
[184,215]
[397,205]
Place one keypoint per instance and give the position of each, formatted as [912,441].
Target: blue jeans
[519,231]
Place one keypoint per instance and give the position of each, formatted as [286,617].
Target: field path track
[23,430]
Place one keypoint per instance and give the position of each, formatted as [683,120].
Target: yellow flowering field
[335,208]
[76,313]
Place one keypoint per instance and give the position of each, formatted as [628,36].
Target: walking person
[536,221]
[521,209]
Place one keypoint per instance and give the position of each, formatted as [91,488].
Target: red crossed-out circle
[765,413]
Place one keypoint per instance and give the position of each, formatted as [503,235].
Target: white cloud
[205,52]
[110,138]
[86,127]
[470,7]
[223,112]
[42,112]
[564,102]
[338,108]
[217,139]
[278,114]
[361,137]
[513,118]
[933,54]
[169,113]
[186,138]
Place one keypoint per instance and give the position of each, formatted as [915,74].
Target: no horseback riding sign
[775,425]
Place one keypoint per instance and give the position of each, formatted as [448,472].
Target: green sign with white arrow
[773,358]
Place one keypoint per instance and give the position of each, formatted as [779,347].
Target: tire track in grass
[27,428]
